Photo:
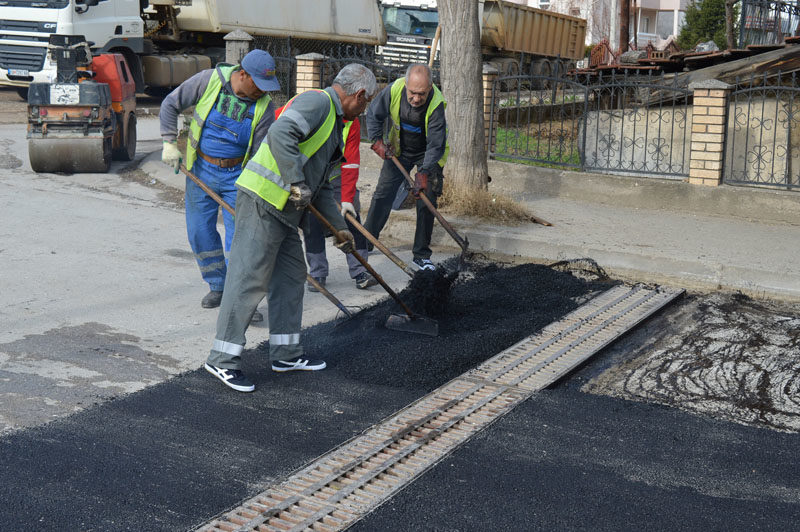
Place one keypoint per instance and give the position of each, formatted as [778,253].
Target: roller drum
[70,155]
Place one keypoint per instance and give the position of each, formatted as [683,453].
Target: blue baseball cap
[261,67]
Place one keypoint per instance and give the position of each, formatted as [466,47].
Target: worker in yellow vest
[290,170]
[232,114]
[414,106]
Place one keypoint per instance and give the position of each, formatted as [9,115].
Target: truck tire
[23,93]
[510,68]
[542,68]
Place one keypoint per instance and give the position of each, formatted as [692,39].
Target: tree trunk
[460,58]
[729,23]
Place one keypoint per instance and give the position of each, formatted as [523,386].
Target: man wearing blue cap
[233,112]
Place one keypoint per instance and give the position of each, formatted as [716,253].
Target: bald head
[419,82]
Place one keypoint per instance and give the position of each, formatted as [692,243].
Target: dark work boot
[212,299]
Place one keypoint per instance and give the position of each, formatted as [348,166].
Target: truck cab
[410,27]
[112,25]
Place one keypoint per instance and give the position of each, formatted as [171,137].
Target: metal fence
[767,22]
[762,145]
[604,123]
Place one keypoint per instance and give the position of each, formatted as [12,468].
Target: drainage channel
[339,488]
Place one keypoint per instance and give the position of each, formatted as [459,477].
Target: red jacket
[352,158]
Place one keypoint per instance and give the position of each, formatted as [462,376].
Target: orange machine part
[113,69]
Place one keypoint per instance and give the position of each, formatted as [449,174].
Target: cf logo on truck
[49,25]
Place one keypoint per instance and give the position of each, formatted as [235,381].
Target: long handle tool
[411,322]
[378,244]
[462,242]
[224,204]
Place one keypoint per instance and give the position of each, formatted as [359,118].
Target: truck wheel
[127,151]
[23,93]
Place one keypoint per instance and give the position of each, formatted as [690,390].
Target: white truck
[166,41]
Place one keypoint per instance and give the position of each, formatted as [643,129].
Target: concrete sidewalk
[640,229]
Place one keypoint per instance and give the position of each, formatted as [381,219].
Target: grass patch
[546,148]
[484,204]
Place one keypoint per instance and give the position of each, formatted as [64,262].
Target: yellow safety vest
[396,92]
[204,106]
[262,176]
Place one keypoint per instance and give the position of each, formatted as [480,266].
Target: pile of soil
[481,310]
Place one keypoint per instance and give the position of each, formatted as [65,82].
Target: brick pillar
[309,71]
[489,75]
[709,120]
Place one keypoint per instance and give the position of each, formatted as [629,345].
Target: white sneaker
[424,264]
[232,378]
[298,364]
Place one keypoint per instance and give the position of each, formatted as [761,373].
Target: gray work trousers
[266,258]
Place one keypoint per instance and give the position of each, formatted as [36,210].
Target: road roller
[87,116]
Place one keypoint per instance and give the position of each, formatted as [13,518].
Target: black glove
[384,151]
[300,195]
[420,183]
[345,241]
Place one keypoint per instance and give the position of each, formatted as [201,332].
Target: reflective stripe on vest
[262,176]
[222,75]
[396,92]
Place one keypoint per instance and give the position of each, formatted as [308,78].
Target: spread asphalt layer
[174,455]
[566,460]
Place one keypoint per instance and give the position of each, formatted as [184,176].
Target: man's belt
[219,161]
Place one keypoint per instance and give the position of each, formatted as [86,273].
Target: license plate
[18,72]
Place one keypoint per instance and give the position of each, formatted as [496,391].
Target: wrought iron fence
[612,123]
[762,145]
[537,120]
[767,21]
[638,125]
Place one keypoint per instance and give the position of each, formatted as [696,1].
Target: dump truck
[167,41]
[515,39]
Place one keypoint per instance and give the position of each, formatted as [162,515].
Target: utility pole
[624,19]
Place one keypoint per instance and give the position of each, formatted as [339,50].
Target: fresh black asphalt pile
[477,318]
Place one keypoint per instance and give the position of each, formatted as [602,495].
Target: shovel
[411,322]
[224,204]
[463,243]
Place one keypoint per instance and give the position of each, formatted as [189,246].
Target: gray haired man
[289,171]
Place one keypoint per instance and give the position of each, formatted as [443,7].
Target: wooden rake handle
[362,260]
[377,243]
[462,242]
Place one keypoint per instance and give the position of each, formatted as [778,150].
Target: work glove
[420,183]
[383,150]
[300,195]
[348,207]
[345,241]
[170,155]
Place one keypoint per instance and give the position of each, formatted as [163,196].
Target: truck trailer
[515,39]
[167,41]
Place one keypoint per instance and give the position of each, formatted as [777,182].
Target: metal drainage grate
[342,486]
